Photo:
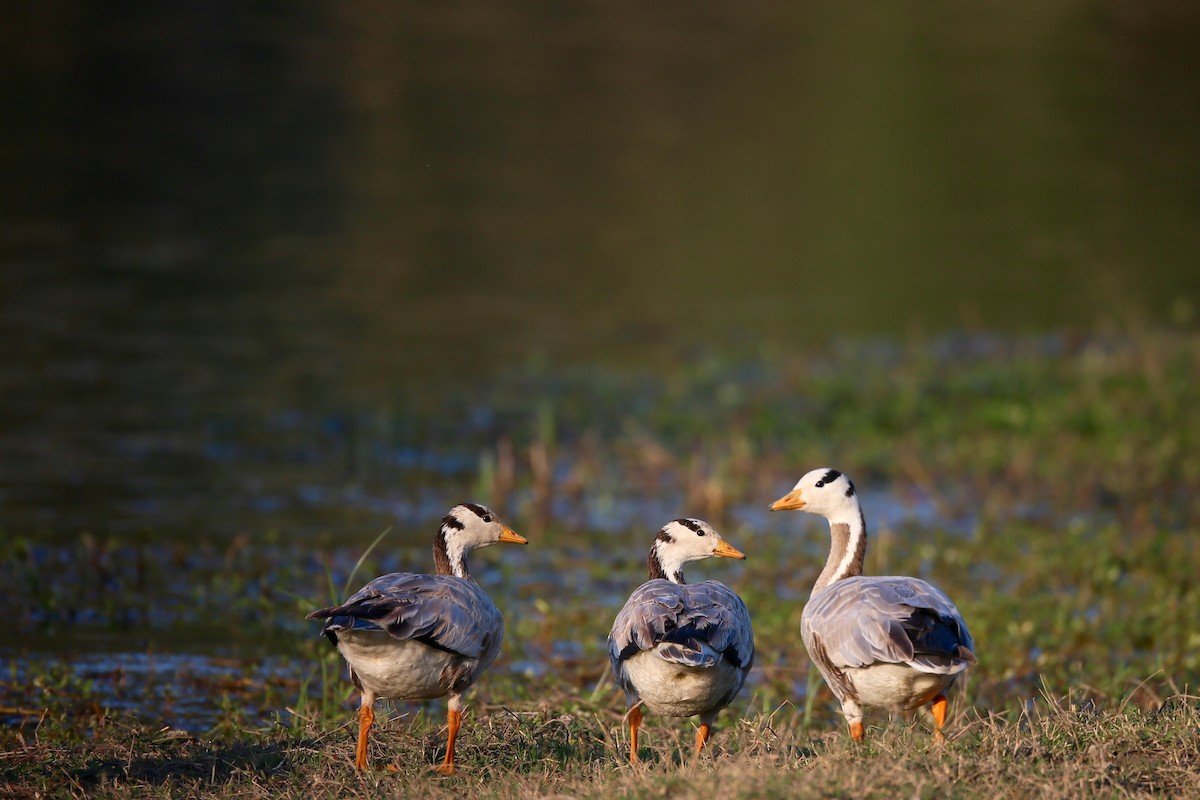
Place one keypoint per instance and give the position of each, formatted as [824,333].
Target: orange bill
[507,534]
[788,502]
[726,550]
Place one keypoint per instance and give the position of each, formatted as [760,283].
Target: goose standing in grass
[414,637]
[681,649]
[883,642]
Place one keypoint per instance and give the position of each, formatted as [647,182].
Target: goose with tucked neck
[681,649]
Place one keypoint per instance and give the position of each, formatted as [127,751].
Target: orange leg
[455,720]
[635,722]
[366,718]
[857,732]
[939,717]
[702,734]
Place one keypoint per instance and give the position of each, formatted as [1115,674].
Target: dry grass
[1052,749]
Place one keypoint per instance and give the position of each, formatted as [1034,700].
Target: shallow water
[181,691]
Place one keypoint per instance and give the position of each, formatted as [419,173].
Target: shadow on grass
[205,763]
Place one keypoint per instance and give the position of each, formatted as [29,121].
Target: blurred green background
[217,212]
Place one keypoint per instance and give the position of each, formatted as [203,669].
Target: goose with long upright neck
[885,642]
[413,636]
[681,649]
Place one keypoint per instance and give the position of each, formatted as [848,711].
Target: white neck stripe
[456,552]
[856,533]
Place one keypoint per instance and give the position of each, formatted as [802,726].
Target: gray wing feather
[443,611]
[690,616]
[862,621]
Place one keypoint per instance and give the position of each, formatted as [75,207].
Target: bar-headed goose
[883,642]
[681,649]
[414,637]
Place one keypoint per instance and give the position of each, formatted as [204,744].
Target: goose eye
[488,517]
[699,533]
[820,484]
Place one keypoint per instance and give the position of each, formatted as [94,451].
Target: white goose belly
[677,690]
[394,668]
[896,686]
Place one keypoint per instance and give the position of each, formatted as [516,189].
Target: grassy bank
[1051,749]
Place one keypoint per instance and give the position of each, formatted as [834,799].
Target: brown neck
[847,551]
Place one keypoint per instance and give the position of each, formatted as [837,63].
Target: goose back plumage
[898,620]
[444,612]
[692,624]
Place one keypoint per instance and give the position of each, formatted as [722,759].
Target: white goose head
[683,540]
[830,494]
[467,527]
[823,491]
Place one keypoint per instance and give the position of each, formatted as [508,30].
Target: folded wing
[695,624]
[442,611]
[869,620]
